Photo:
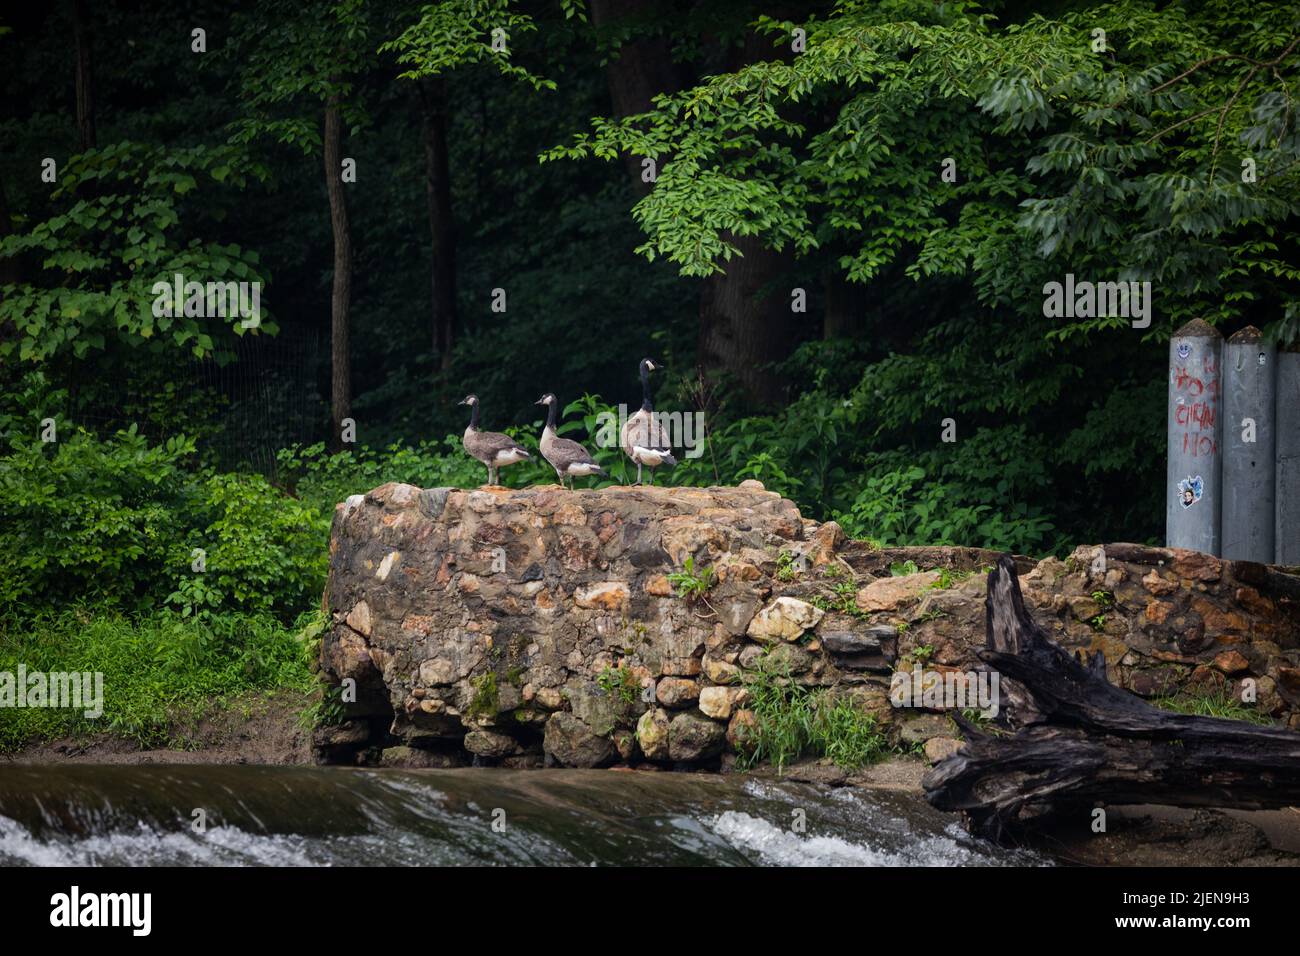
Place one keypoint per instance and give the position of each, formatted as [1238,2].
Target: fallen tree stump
[1072,739]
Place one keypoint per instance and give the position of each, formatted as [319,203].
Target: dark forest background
[524,170]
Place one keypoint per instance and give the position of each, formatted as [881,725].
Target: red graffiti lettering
[1201,414]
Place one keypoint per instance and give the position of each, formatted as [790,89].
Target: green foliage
[902,508]
[123,219]
[1081,159]
[163,674]
[118,522]
[263,548]
[791,721]
[621,683]
[100,520]
[457,33]
[292,57]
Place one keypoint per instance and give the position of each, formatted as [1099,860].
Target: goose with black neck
[568,458]
[494,449]
[643,439]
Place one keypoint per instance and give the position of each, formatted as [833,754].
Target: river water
[83,815]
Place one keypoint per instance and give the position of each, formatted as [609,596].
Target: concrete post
[1193,489]
[1287,525]
[1249,472]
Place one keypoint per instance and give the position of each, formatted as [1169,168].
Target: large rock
[572,743]
[786,618]
[677,692]
[475,623]
[652,734]
[692,737]
[887,594]
[485,743]
[718,702]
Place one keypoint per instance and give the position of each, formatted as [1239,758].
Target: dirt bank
[256,729]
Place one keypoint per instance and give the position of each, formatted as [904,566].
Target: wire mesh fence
[240,412]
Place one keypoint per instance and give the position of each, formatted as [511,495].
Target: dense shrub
[105,521]
[118,522]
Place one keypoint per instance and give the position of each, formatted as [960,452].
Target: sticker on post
[1190,490]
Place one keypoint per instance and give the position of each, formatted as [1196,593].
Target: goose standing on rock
[492,448]
[642,439]
[568,458]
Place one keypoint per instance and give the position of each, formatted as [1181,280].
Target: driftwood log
[1070,738]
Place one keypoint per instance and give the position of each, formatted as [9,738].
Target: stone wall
[540,625]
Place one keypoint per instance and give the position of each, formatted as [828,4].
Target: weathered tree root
[1081,741]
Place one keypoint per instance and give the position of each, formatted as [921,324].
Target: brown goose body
[642,438]
[567,457]
[493,449]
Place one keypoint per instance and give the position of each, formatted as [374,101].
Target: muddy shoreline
[269,731]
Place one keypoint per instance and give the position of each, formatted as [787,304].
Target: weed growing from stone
[691,584]
[619,682]
[327,710]
[843,601]
[949,578]
[790,721]
[484,703]
[785,568]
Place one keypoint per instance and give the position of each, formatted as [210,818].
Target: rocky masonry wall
[540,625]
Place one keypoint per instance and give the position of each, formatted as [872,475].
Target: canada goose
[566,457]
[642,439]
[492,448]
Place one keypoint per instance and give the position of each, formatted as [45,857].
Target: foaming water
[79,815]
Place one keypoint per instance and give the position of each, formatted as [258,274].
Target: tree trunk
[642,69]
[1080,741]
[433,100]
[85,76]
[341,291]
[741,332]
[846,306]
[746,322]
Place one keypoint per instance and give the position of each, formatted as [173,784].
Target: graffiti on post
[1196,405]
